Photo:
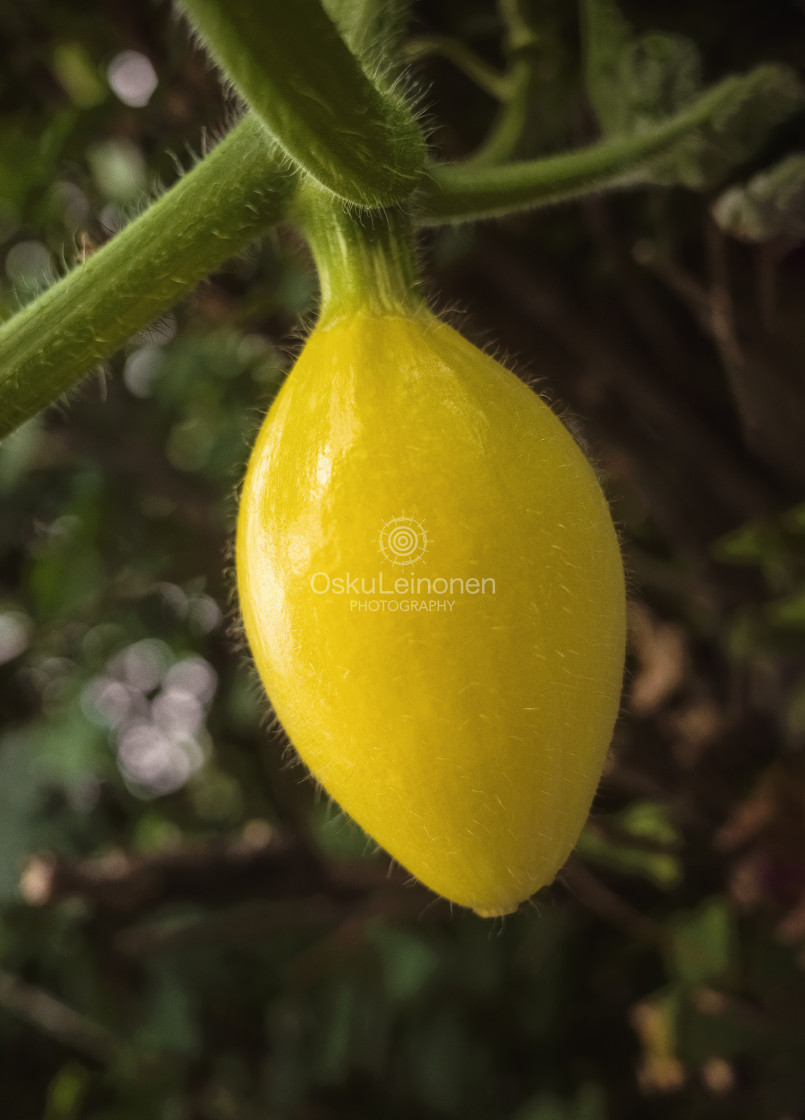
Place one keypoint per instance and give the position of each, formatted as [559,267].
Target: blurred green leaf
[647,820]
[78,75]
[20,792]
[67,1092]
[337,834]
[750,544]
[771,204]
[170,1025]
[439,1059]
[635,82]
[67,567]
[650,819]
[29,158]
[703,946]
[789,611]
[408,962]
[763,99]
[18,452]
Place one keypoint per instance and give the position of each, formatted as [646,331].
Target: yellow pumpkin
[433,592]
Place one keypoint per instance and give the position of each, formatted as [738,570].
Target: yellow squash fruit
[433,593]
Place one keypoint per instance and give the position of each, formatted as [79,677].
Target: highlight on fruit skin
[433,592]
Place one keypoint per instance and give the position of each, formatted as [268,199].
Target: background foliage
[186,929]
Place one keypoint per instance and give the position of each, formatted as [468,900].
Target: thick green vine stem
[289,63]
[365,260]
[215,210]
[372,29]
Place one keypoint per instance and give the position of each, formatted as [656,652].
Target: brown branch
[214,874]
[598,898]
[59,1021]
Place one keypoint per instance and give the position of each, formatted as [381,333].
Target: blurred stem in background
[523,49]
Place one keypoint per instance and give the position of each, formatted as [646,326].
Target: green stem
[365,261]
[523,48]
[215,210]
[372,29]
[459,193]
[288,61]
[466,60]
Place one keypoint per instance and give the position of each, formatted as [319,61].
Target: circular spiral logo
[403,540]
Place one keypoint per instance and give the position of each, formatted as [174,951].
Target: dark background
[188,930]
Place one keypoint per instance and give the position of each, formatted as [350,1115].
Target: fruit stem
[365,259]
